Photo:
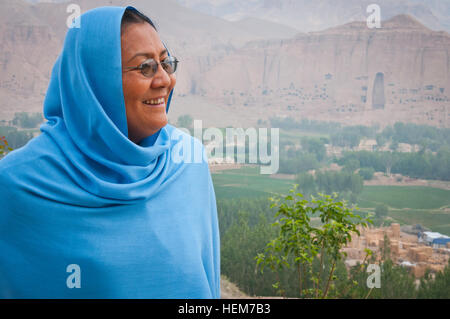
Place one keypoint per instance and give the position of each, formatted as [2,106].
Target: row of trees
[343,135]
[350,136]
[16,138]
[348,184]
[311,155]
[422,164]
[302,162]
[27,120]
[428,137]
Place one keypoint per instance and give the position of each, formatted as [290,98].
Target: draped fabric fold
[136,222]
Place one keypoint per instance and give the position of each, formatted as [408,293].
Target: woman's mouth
[155,102]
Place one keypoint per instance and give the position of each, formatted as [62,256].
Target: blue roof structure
[441,241]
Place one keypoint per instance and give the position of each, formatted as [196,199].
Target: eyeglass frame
[140,67]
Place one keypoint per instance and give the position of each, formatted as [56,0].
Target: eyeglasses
[149,67]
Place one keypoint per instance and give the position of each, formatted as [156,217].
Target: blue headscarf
[87,213]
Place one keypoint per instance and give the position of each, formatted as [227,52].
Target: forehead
[140,38]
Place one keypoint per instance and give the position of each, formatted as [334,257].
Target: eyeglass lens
[150,67]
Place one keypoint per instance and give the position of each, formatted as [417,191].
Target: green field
[407,204]
[411,205]
[405,197]
[438,221]
[247,183]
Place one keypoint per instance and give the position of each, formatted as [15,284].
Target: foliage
[244,209]
[302,162]
[185,121]
[245,225]
[298,239]
[395,281]
[346,139]
[4,147]
[245,228]
[351,165]
[239,243]
[27,120]
[350,136]
[381,140]
[306,183]
[430,137]
[366,173]
[437,287]
[310,156]
[349,185]
[16,139]
[381,210]
[423,165]
[315,146]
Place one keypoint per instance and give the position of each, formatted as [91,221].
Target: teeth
[154,101]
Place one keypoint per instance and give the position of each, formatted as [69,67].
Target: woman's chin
[156,125]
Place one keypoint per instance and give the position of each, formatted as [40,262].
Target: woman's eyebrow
[148,55]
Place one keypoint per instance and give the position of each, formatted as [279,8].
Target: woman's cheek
[173,81]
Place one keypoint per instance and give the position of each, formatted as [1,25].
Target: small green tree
[299,244]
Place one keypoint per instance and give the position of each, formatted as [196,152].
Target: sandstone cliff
[330,75]
[234,73]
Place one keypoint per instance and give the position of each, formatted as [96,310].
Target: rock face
[235,73]
[378,92]
[31,37]
[28,49]
[329,75]
[306,15]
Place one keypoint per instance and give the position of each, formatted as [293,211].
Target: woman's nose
[161,78]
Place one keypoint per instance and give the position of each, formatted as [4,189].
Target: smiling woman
[146,90]
[96,206]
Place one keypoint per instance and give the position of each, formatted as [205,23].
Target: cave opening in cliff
[378,99]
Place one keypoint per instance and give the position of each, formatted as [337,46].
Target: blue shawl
[87,213]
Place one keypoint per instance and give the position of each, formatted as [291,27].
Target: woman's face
[140,41]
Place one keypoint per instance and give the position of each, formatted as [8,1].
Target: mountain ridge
[232,76]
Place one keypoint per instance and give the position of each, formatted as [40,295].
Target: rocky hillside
[350,73]
[228,290]
[28,49]
[235,73]
[32,34]
[306,15]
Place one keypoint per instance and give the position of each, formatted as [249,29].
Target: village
[418,252]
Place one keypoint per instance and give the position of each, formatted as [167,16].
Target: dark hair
[131,16]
